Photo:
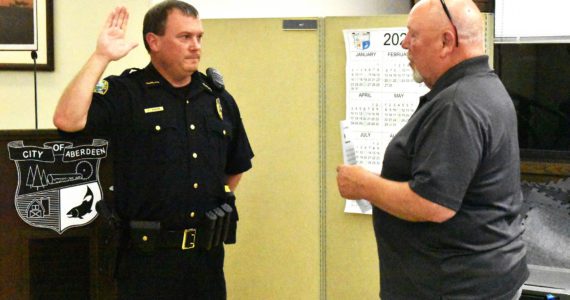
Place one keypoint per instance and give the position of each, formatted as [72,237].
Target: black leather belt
[185,239]
[148,236]
[213,229]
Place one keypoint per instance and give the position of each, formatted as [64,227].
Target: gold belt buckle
[189,239]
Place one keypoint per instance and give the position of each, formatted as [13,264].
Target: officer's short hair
[155,18]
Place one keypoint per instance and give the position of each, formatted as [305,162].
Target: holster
[110,235]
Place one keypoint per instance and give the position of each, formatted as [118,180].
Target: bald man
[447,204]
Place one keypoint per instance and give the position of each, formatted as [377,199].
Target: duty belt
[211,231]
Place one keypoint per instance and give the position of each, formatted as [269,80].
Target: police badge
[58,184]
[219,108]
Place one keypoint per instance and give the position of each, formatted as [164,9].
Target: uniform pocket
[219,136]
[158,139]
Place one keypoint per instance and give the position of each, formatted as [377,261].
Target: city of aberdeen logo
[58,183]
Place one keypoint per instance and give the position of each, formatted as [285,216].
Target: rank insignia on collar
[152,82]
[219,108]
[101,87]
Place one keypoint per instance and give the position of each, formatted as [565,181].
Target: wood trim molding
[555,169]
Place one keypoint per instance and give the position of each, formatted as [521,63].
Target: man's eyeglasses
[450,20]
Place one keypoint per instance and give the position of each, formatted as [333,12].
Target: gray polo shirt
[459,150]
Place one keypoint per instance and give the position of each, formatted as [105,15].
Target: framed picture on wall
[26,26]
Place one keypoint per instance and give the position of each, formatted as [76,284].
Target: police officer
[179,147]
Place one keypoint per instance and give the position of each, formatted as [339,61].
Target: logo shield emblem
[58,184]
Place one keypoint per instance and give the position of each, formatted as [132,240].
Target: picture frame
[17,54]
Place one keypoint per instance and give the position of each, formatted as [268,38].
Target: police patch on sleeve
[101,87]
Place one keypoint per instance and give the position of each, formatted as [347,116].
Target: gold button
[224,132]
[187,101]
[192,127]
[157,127]
[195,155]
[195,185]
[192,214]
[145,238]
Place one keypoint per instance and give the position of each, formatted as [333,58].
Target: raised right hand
[111,43]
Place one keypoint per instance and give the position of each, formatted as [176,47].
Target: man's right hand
[71,111]
[111,43]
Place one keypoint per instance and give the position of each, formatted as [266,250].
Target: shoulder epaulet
[130,71]
[215,79]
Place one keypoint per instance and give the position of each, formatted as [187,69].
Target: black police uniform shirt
[172,147]
[459,150]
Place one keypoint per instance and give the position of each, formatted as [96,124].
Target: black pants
[172,274]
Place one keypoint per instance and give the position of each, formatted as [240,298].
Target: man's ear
[448,43]
[152,41]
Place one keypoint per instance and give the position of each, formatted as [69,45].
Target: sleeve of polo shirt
[448,150]
[106,108]
[239,151]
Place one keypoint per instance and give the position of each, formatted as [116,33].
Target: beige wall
[273,74]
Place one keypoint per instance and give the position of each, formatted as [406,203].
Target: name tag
[153,109]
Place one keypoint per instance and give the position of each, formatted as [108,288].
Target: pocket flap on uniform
[220,127]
